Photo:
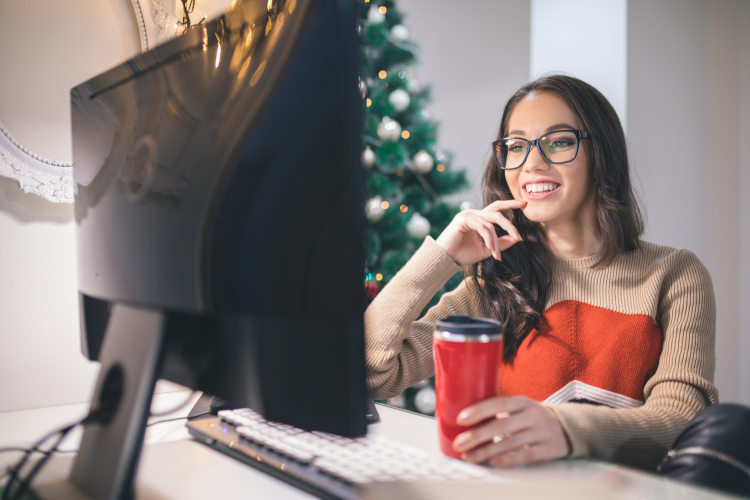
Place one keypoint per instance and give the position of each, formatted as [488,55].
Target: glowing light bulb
[382,9]
[382,74]
[404,208]
[405,134]
[385,205]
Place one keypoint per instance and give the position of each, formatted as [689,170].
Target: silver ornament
[400,32]
[374,209]
[368,158]
[425,400]
[422,162]
[418,227]
[399,99]
[389,130]
[374,15]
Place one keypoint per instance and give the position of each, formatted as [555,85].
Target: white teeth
[539,188]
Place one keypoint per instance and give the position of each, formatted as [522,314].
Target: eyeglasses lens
[557,147]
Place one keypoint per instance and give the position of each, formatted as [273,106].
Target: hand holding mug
[517,431]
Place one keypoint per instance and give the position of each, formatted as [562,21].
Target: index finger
[489,408]
[505,205]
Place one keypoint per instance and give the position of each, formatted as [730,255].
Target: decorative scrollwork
[50,179]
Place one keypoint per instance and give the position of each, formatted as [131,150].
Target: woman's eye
[559,144]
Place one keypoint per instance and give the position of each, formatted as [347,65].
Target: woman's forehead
[538,111]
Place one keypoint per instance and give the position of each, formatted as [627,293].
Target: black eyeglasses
[560,146]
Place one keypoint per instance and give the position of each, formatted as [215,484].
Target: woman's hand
[471,236]
[519,431]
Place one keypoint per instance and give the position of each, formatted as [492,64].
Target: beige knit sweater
[636,339]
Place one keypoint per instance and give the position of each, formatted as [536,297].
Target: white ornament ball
[374,15]
[374,209]
[399,99]
[418,226]
[389,130]
[368,158]
[400,31]
[425,400]
[398,401]
[422,162]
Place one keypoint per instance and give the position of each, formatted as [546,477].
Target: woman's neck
[575,237]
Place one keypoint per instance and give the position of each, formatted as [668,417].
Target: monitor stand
[107,461]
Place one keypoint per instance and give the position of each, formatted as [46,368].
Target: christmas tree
[408,176]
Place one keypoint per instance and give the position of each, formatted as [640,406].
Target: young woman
[609,340]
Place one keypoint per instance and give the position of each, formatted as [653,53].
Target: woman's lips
[540,194]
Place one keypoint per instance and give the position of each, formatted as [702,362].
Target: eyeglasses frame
[580,134]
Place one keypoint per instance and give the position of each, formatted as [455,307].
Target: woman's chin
[536,215]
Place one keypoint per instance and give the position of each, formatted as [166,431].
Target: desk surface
[173,466]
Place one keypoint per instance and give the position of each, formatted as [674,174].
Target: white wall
[474,56]
[687,78]
[47,47]
[744,228]
[586,39]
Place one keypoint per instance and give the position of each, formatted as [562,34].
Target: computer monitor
[219,213]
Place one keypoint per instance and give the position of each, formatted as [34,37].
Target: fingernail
[464,415]
[460,442]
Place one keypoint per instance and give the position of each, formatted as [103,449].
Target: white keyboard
[360,460]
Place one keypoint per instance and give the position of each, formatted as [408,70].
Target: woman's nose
[535,160]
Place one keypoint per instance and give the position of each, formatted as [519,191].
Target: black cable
[38,466]
[34,450]
[176,408]
[19,465]
[193,417]
[103,412]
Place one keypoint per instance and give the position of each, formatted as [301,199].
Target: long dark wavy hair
[516,289]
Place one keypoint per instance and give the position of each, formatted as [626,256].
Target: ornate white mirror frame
[51,179]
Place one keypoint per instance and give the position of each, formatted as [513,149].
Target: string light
[379,277]
[405,134]
[440,167]
[385,205]
[382,74]
[404,208]
[369,102]
[382,9]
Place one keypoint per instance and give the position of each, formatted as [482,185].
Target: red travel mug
[467,353]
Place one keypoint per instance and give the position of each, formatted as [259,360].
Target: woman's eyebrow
[558,126]
[561,126]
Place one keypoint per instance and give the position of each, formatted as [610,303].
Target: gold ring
[498,438]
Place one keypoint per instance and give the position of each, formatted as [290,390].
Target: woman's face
[554,193]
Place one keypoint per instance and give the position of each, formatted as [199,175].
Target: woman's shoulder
[651,257]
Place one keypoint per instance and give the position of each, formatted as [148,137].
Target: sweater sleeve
[398,347]
[681,386]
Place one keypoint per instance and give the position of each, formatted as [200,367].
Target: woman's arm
[681,387]
[398,349]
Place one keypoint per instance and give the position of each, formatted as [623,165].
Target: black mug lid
[467,325]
